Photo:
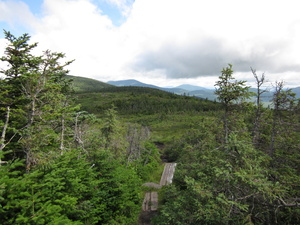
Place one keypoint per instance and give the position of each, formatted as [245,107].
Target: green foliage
[70,190]
[228,185]
[237,181]
[37,98]
[70,175]
[230,90]
[142,101]
[148,162]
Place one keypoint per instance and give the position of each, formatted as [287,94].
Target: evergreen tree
[230,92]
[54,176]
[232,182]
[35,97]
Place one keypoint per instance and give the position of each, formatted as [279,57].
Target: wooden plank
[146,201]
[150,202]
[168,174]
[154,201]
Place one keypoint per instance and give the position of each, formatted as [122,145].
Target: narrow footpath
[150,203]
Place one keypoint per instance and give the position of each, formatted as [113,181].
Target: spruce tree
[230,92]
[34,100]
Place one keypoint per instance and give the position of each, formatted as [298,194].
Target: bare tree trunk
[277,103]
[136,136]
[28,145]
[62,135]
[259,82]
[226,124]
[77,133]
[5,126]
[32,113]
[3,135]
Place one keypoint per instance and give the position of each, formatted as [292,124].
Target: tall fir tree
[35,98]
[230,93]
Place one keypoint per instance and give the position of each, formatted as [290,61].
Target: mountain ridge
[188,89]
[184,89]
[83,84]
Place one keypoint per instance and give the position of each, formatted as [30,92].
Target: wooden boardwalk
[150,202]
[167,176]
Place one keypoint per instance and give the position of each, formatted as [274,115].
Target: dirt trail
[150,203]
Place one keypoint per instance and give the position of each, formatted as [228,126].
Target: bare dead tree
[78,139]
[260,80]
[3,135]
[136,136]
[283,101]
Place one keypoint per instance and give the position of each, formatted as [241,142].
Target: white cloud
[16,14]
[78,29]
[169,41]
[198,38]
[3,65]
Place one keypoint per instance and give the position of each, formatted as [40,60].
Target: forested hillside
[141,100]
[83,85]
[77,151]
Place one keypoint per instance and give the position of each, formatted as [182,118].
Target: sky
[164,42]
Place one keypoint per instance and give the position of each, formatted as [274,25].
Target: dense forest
[74,151]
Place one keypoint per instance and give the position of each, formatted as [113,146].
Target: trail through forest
[150,203]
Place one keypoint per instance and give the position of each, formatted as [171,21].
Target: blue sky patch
[16,29]
[35,6]
[111,11]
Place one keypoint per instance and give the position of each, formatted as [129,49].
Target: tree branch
[295,203]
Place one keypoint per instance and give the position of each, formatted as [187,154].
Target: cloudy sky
[164,42]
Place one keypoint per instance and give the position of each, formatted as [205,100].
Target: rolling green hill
[142,101]
[83,85]
[167,115]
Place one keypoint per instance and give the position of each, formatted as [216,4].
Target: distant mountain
[193,90]
[189,87]
[130,82]
[182,89]
[178,91]
[136,83]
[296,91]
[267,96]
[207,93]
